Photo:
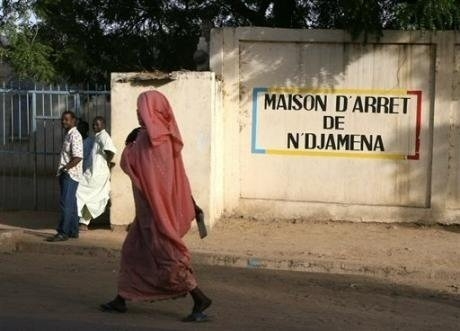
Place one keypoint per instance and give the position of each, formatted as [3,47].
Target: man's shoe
[74,236]
[57,237]
[83,227]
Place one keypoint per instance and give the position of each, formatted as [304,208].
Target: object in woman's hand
[199,216]
[201,225]
[132,136]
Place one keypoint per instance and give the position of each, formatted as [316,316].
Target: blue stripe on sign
[255,124]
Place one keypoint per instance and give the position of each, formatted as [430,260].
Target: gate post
[34,130]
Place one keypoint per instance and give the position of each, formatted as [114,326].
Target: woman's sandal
[196,317]
[111,307]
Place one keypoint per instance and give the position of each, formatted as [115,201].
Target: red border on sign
[418,127]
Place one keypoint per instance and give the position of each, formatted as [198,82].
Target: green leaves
[428,15]
[84,40]
[29,57]
[21,48]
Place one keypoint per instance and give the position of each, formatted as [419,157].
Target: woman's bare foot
[201,301]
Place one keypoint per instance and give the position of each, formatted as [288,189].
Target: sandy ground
[52,292]
[435,250]
[375,242]
[421,256]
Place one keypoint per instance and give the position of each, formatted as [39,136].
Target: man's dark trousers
[68,223]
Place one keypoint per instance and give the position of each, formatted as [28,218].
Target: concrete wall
[194,97]
[410,175]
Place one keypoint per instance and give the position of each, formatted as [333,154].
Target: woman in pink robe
[155,263]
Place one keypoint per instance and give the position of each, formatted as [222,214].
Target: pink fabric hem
[128,297]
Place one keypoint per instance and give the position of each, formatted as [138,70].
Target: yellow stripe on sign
[387,156]
[337,91]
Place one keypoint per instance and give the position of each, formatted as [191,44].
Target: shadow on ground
[45,220]
[37,289]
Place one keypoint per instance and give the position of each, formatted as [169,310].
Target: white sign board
[337,123]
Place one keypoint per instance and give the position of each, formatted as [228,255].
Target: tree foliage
[428,15]
[85,40]
[20,47]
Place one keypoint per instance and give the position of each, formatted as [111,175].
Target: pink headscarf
[158,117]
[154,164]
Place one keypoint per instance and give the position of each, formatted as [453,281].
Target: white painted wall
[194,97]
[358,186]
[216,115]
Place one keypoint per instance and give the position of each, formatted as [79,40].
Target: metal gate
[31,138]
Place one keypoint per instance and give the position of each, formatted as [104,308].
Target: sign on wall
[382,124]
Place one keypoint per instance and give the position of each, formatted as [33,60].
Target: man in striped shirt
[69,173]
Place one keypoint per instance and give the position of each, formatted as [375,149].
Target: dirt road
[408,254]
[54,292]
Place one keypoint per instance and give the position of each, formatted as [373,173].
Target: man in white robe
[94,190]
[88,141]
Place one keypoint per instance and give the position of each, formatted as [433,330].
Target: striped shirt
[72,146]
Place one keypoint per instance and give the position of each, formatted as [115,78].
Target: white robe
[93,191]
